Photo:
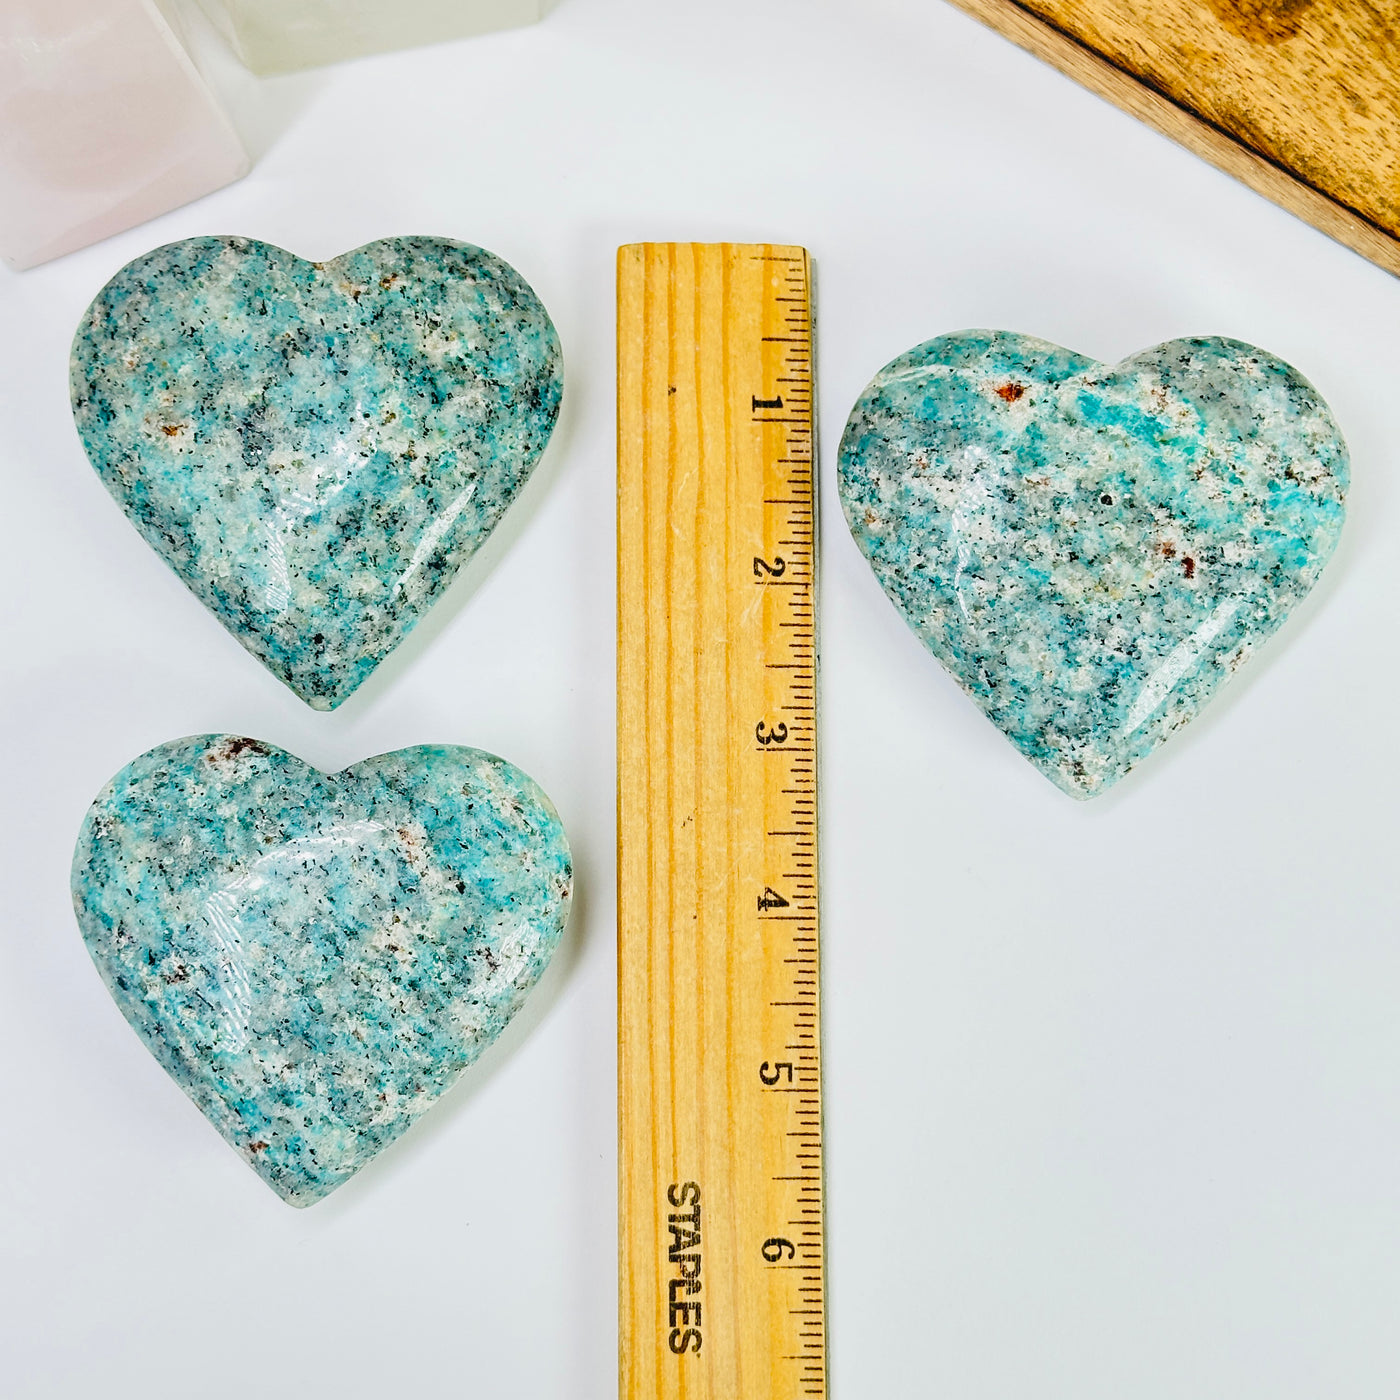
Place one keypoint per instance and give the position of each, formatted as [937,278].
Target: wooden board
[719,1093]
[1300,99]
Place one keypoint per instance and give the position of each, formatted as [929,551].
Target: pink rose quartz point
[105,122]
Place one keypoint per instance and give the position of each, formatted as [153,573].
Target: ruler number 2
[776,569]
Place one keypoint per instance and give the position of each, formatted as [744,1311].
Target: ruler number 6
[776,735]
[773,1249]
[777,1071]
[777,568]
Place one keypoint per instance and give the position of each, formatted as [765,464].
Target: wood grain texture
[720,1181]
[1299,99]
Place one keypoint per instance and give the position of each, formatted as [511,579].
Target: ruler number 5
[776,735]
[777,568]
[778,1070]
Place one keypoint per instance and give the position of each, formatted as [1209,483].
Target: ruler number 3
[776,735]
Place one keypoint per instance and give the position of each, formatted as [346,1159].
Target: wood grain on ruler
[721,1286]
[1300,99]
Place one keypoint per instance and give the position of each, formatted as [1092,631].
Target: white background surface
[1113,1090]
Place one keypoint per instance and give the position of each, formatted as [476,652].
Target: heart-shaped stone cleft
[315,958]
[316,448]
[1092,549]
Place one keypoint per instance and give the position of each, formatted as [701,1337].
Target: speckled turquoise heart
[1092,549]
[314,958]
[316,448]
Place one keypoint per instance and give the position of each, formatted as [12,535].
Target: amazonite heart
[316,448]
[1092,549]
[315,958]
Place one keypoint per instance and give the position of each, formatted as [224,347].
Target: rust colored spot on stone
[1010,392]
[1169,550]
[231,748]
[172,429]
[1189,564]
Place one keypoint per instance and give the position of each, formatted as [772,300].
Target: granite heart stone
[316,448]
[1092,549]
[315,958]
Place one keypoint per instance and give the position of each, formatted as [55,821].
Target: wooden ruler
[720,1147]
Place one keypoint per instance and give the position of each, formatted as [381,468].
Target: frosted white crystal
[104,122]
[274,36]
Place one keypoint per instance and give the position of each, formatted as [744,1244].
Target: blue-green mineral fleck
[316,448]
[315,958]
[1092,549]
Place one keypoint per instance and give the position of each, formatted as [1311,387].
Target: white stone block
[275,36]
[104,122]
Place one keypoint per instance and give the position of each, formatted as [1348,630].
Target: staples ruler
[720,1125]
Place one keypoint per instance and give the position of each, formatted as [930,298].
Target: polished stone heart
[1092,549]
[315,958]
[316,448]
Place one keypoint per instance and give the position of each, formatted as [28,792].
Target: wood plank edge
[1226,152]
